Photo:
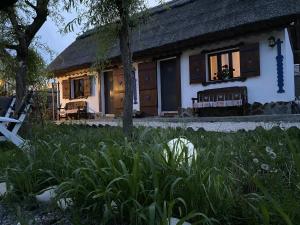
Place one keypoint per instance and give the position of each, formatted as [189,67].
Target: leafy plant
[113,180]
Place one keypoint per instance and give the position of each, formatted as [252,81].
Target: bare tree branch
[16,26]
[31,5]
[39,20]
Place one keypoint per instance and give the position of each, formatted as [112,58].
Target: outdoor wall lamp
[272,41]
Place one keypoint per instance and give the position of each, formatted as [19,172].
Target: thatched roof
[183,21]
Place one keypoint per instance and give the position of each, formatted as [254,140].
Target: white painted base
[175,221]
[3,189]
[48,195]
[208,126]
[65,203]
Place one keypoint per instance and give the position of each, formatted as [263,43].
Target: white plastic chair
[9,126]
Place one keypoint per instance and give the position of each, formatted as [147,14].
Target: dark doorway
[108,92]
[169,85]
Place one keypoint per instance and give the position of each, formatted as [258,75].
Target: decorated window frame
[224,65]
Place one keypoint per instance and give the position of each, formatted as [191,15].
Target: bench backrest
[223,94]
[21,112]
[82,105]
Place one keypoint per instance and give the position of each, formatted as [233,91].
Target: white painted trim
[10,109]
[9,120]
[170,112]
[158,88]
[221,51]
[137,86]
[166,59]
[110,115]
[102,94]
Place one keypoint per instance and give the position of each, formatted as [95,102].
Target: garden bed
[237,178]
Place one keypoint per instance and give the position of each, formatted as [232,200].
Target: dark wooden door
[108,92]
[148,88]
[119,91]
[169,85]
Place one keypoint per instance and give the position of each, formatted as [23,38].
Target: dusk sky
[57,42]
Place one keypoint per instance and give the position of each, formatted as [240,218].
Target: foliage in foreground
[239,178]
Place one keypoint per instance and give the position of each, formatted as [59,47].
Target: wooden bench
[75,110]
[220,98]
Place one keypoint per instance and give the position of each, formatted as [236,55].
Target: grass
[237,179]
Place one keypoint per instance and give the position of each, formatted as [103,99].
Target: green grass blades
[243,178]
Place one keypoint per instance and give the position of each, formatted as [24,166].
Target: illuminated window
[77,88]
[224,65]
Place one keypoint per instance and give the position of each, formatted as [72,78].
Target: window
[224,65]
[82,87]
[77,88]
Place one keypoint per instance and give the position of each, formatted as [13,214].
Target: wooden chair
[13,120]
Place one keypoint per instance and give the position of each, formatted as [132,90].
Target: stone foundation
[273,108]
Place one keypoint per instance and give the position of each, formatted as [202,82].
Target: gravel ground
[42,215]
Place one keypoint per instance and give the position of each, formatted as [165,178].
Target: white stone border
[208,126]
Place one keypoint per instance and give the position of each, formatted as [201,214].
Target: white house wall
[262,88]
[289,65]
[93,101]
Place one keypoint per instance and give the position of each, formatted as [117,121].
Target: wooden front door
[108,92]
[148,88]
[170,93]
[119,91]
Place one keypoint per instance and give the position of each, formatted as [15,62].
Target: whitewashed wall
[261,89]
[289,66]
[93,101]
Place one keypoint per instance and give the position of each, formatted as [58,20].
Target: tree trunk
[21,80]
[125,47]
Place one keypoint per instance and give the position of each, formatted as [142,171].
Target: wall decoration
[279,59]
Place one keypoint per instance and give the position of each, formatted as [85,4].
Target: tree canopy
[19,25]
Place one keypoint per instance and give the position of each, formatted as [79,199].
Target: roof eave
[238,31]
